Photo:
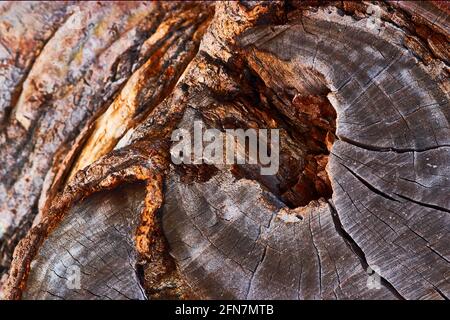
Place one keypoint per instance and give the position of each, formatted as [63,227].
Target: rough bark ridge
[359,91]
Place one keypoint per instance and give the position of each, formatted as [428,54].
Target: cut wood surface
[102,224]
[89,102]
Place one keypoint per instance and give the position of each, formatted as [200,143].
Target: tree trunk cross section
[359,208]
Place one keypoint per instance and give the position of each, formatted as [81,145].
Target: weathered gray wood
[95,243]
[393,204]
[69,85]
[231,232]
[66,85]
[24,30]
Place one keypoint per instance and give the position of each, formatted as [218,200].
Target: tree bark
[90,97]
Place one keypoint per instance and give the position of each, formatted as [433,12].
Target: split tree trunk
[92,93]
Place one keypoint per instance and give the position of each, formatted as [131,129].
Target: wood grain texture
[399,202]
[389,177]
[65,86]
[25,29]
[69,85]
[363,110]
[381,112]
[233,240]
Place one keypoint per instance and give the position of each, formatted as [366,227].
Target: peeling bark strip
[68,87]
[85,136]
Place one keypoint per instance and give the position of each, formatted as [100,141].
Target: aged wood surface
[115,214]
[359,91]
[68,85]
